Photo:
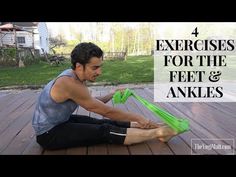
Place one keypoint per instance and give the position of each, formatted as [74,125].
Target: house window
[21,40]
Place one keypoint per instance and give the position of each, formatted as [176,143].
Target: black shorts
[82,130]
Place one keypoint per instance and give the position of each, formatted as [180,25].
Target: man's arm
[109,96]
[105,98]
[80,94]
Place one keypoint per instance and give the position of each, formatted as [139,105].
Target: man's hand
[109,96]
[113,91]
[148,124]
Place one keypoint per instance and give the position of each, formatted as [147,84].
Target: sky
[86,28]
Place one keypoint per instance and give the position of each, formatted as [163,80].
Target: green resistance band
[178,124]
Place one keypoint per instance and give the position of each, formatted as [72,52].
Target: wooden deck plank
[207,121]
[216,129]
[5,100]
[117,149]
[15,127]
[33,148]
[222,108]
[198,131]
[4,93]
[206,136]
[100,149]
[159,148]
[12,116]
[15,106]
[224,121]
[15,101]
[77,151]
[54,152]
[13,97]
[213,126]
[230,106]
[20,141]
[139,149]
[178,147]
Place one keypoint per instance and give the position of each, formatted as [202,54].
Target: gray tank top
[48,113]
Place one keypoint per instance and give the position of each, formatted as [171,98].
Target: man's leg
[90,120]
[70,134]
[136,135]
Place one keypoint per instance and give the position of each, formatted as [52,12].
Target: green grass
[136,69]
[133,70]
[36,74]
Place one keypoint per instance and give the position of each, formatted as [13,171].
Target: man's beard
[93,80]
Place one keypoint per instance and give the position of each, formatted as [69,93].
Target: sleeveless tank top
[48,113]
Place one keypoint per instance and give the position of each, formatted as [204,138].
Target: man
[56,127]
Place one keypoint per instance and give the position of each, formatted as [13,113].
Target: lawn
[137,69]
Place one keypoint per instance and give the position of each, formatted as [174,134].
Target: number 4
[195,32]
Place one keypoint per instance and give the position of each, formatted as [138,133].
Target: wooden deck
[211,123]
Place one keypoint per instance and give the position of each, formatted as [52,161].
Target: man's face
[93,69]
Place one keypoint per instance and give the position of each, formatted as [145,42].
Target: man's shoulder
[67,81]
[70,83]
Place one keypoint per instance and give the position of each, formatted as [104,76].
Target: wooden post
[15,38]
[33,39]
[0,38]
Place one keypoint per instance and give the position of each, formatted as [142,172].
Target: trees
[137,40]
[56,42]
[133,38]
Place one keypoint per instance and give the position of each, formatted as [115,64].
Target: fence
[115,55]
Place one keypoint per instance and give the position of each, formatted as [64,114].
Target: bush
[8,57]
[28,60]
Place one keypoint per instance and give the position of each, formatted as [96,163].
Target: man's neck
[78,77]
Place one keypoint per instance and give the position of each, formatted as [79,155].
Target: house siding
[9,39]
[41,37]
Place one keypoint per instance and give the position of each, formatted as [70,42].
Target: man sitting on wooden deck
[56,127]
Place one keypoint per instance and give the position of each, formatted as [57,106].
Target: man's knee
[113,134]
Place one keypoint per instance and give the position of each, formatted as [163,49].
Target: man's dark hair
[83,52]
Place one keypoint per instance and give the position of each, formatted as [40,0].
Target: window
[21,40]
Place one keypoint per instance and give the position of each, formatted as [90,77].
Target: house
[32,35]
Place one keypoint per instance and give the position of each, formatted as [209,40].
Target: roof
[25,24]
[18,26]
[9,26]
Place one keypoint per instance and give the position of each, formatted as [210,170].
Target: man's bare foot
[166,133]
[161,124]
[166,139]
